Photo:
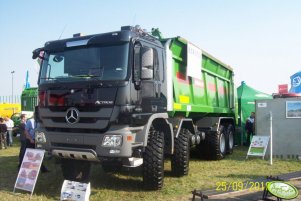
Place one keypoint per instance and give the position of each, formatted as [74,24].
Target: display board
[194,61]
[29,170]
[293,109]
[75,191]
[258,146]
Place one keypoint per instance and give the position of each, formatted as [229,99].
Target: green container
[29,99]
[207,90]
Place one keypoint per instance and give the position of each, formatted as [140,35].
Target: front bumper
[88,146]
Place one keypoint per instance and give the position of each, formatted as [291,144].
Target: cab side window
[156,65]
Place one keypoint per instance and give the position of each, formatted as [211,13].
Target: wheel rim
[222,143]
[231,140]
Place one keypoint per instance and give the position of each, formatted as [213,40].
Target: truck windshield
[97,63]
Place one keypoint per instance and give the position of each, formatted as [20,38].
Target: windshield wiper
[48,78]
[52,80]
[60,78]
[85,76]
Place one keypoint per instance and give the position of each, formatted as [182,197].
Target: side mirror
[147,74]
[147,57]
[36,53]
[147,63]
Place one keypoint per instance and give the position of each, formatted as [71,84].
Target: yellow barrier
[8,109]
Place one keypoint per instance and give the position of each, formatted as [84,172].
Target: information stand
[75,191]
[258,146]
[29,170]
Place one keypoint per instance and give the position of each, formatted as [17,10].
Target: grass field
[127,185]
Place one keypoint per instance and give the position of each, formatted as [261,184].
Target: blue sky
[260,39]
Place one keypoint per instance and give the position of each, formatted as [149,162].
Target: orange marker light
[129,138]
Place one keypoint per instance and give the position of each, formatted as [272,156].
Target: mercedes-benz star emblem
[72,115]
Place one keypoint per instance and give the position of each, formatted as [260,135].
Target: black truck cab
[97,93]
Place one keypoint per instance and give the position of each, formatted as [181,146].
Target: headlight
[112,141]
[40,137]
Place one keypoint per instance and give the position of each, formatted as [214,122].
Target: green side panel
[222,96]
[212,94]
[29,99]
[211,90]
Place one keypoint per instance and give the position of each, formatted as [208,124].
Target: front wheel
[153,161]
[180,158]
[76,170]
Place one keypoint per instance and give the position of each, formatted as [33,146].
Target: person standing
[3,133]
[10,125]
[29,133]
[250,124]
[22,139]
[30,138]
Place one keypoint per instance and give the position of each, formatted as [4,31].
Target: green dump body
[29,99]
[211,93]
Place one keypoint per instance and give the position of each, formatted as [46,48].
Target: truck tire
[217,144]
[180,158]
[153,161]
[76,170]
[230,138]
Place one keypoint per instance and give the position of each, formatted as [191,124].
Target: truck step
[132,162]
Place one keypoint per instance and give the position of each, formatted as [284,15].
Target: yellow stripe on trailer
[184,99]
[177,106]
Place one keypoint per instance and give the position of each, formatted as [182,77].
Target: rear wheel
[76,170]
[230,138]
[217,144]
[153,161]
[180,158]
